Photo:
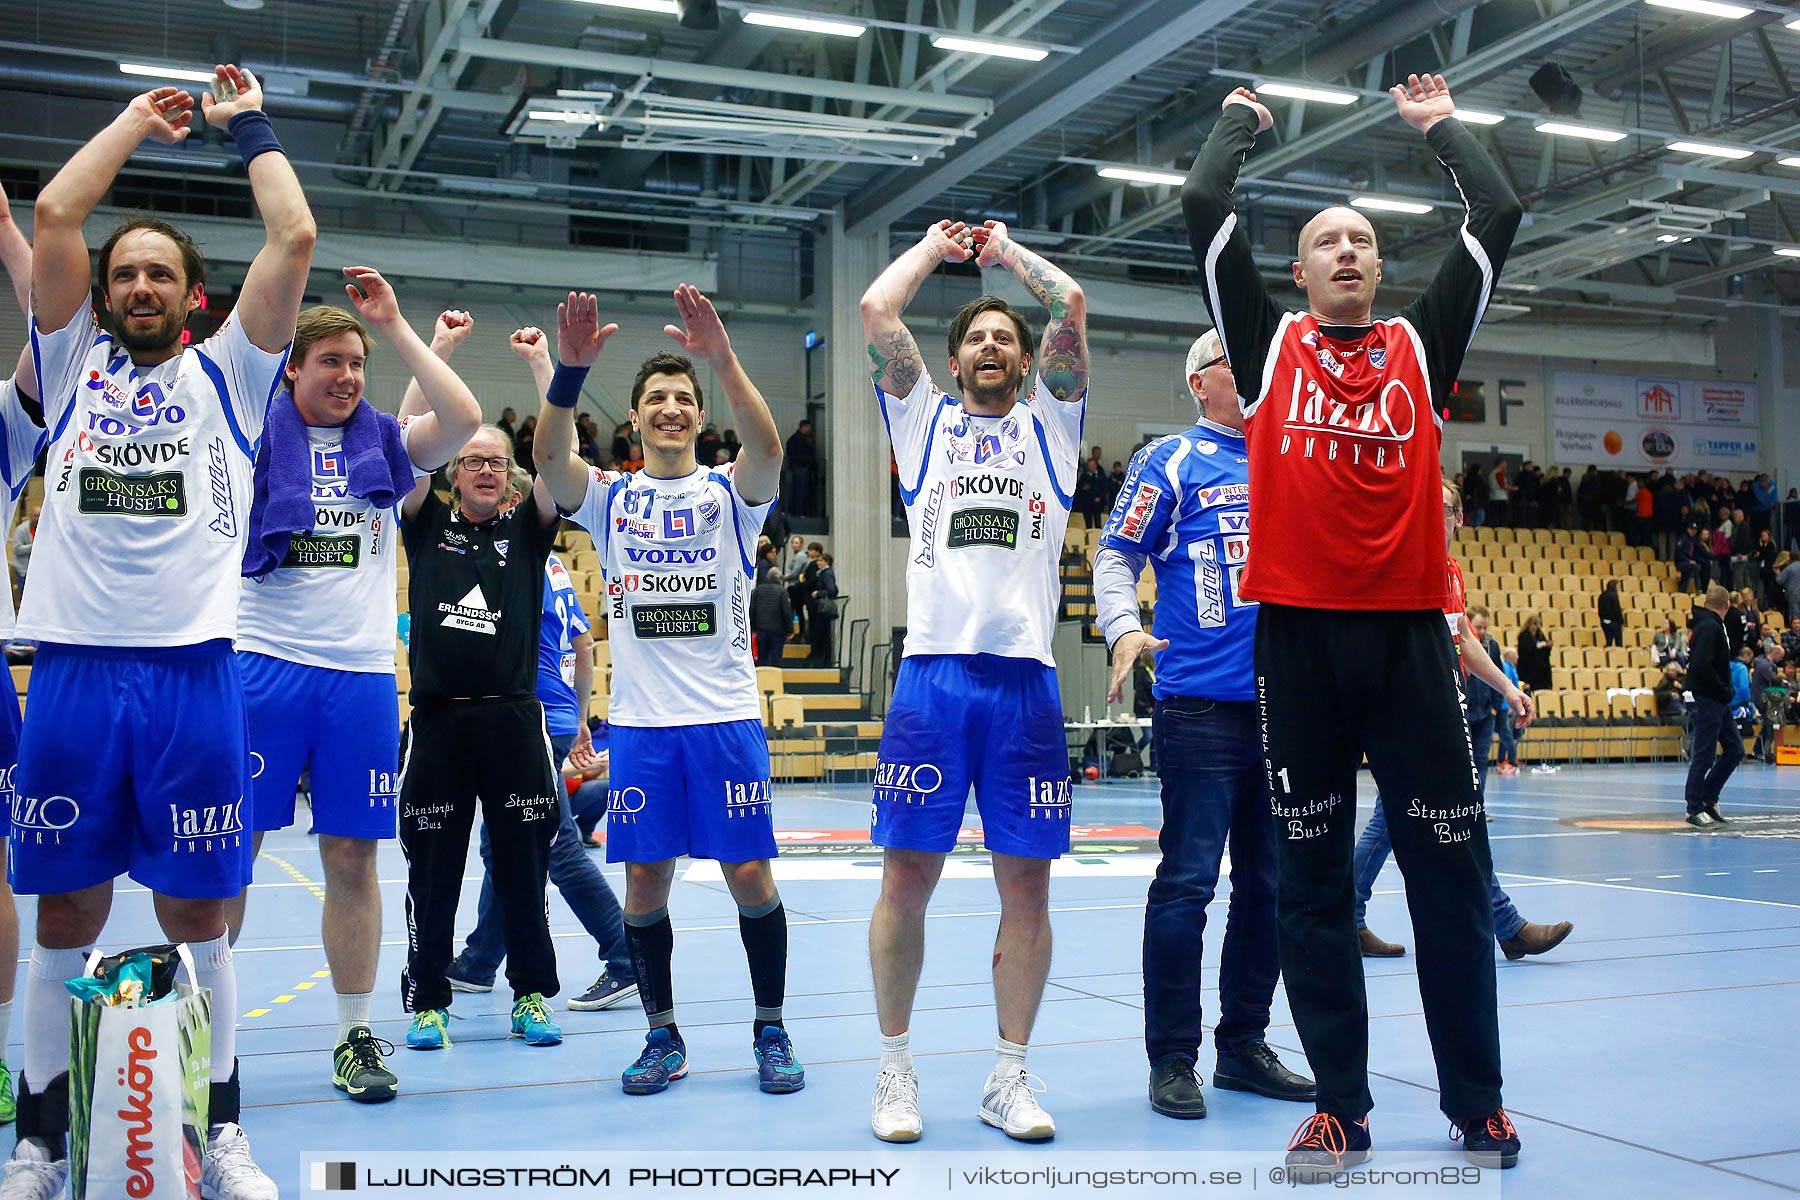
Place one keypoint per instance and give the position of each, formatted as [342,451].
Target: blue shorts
[10,725]
[345,725]
[135,761]
[699,790]
[978,720]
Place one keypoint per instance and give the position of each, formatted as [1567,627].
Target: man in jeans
[1717,747]
[1185,505]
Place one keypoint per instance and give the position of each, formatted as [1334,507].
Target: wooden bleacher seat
[785,711]
[770,679]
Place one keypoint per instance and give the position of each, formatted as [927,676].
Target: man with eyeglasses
[477,732]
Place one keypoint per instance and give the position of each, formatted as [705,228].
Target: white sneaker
[1009,1102]
[31,1174]
[896,1117]
[228,1172]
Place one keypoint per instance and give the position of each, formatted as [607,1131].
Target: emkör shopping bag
[140,1066]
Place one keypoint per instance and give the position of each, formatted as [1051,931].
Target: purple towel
[376,463]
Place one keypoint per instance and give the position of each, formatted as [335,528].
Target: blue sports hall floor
[1653,1054]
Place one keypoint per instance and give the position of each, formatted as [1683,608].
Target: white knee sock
[5,1025]
[47,1012]
[353,1009]
[213,969]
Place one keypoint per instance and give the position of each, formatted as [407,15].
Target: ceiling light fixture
[979,45]
[154,71]
[1384,204]
[1143,175]
[778,20]
[1590,132]
[1788,251]
[1296,91]
[1711,150]
[1791,161]
[1472,116]
[1706,8]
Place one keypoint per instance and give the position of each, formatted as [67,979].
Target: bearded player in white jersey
[135,759]
[690,763]
[987,483]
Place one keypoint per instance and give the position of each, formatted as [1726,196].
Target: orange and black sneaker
[1489,1141]
[1325,1147]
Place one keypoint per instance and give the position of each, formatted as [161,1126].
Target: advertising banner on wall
[1638,423]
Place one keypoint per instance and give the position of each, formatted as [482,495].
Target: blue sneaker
[430,1030]
[777,1070]
[531,1021]
[663,1061]
[606,992]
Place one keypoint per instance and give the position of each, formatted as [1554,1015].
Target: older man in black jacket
[1717,747]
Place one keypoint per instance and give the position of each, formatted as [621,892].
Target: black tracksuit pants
[453,755]
[1332,686]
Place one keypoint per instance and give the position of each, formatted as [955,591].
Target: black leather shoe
[1175,1089]
[1256,1069]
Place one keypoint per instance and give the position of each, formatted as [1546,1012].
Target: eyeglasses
[473,463]
[1209,363]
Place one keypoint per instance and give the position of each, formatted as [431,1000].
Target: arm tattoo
[895,371]
[1062,357]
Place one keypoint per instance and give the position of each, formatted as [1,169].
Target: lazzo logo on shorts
[624,804]
[207,826]
[1051,799]
[906,783]
[384,787]
[746,799]
[257,765]
[35,819]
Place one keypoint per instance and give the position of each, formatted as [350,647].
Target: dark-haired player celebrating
[1341,421]
[690,762]
[987,482]
[135,759]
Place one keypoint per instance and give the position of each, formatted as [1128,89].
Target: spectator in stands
[802,470]
[1790,520]
[19,549]
[1717,747]
[1765,673]
[1612,614]
[1743,551]
[706,448]
[1665,508]
[1534,655]
[522,444]
[621,442]
[1528,496]
[1500,495]
[1668,692]
[824,611]
[1691,559]
[1740,623]
[794,559]
[731,445]
[771,616]
[587,440]
[1787,577]
[509,421]
[1559,500]
[1790,641]
[1699,511]
[805,584]
[1590,499]
[1670,645]
[1765,556]
[1090,493]
[1475,497]
[799,559]
[1115,483]
[1642,502]
[1719,549]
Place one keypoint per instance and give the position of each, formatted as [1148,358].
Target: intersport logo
[138,1077]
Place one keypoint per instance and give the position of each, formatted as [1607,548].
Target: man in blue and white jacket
[1185,506]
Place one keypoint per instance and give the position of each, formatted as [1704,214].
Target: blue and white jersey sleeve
[911,420]
[1147,500]
[595,513]
[250,377]
[747,518]
[1060,422]
[60,359]
[24,442]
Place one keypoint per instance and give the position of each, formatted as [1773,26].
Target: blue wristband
[253,134]
[565,386]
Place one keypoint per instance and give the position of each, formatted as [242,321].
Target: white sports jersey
[22,443]
[987,499]
[331,601]
[677,555]
[148,487]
